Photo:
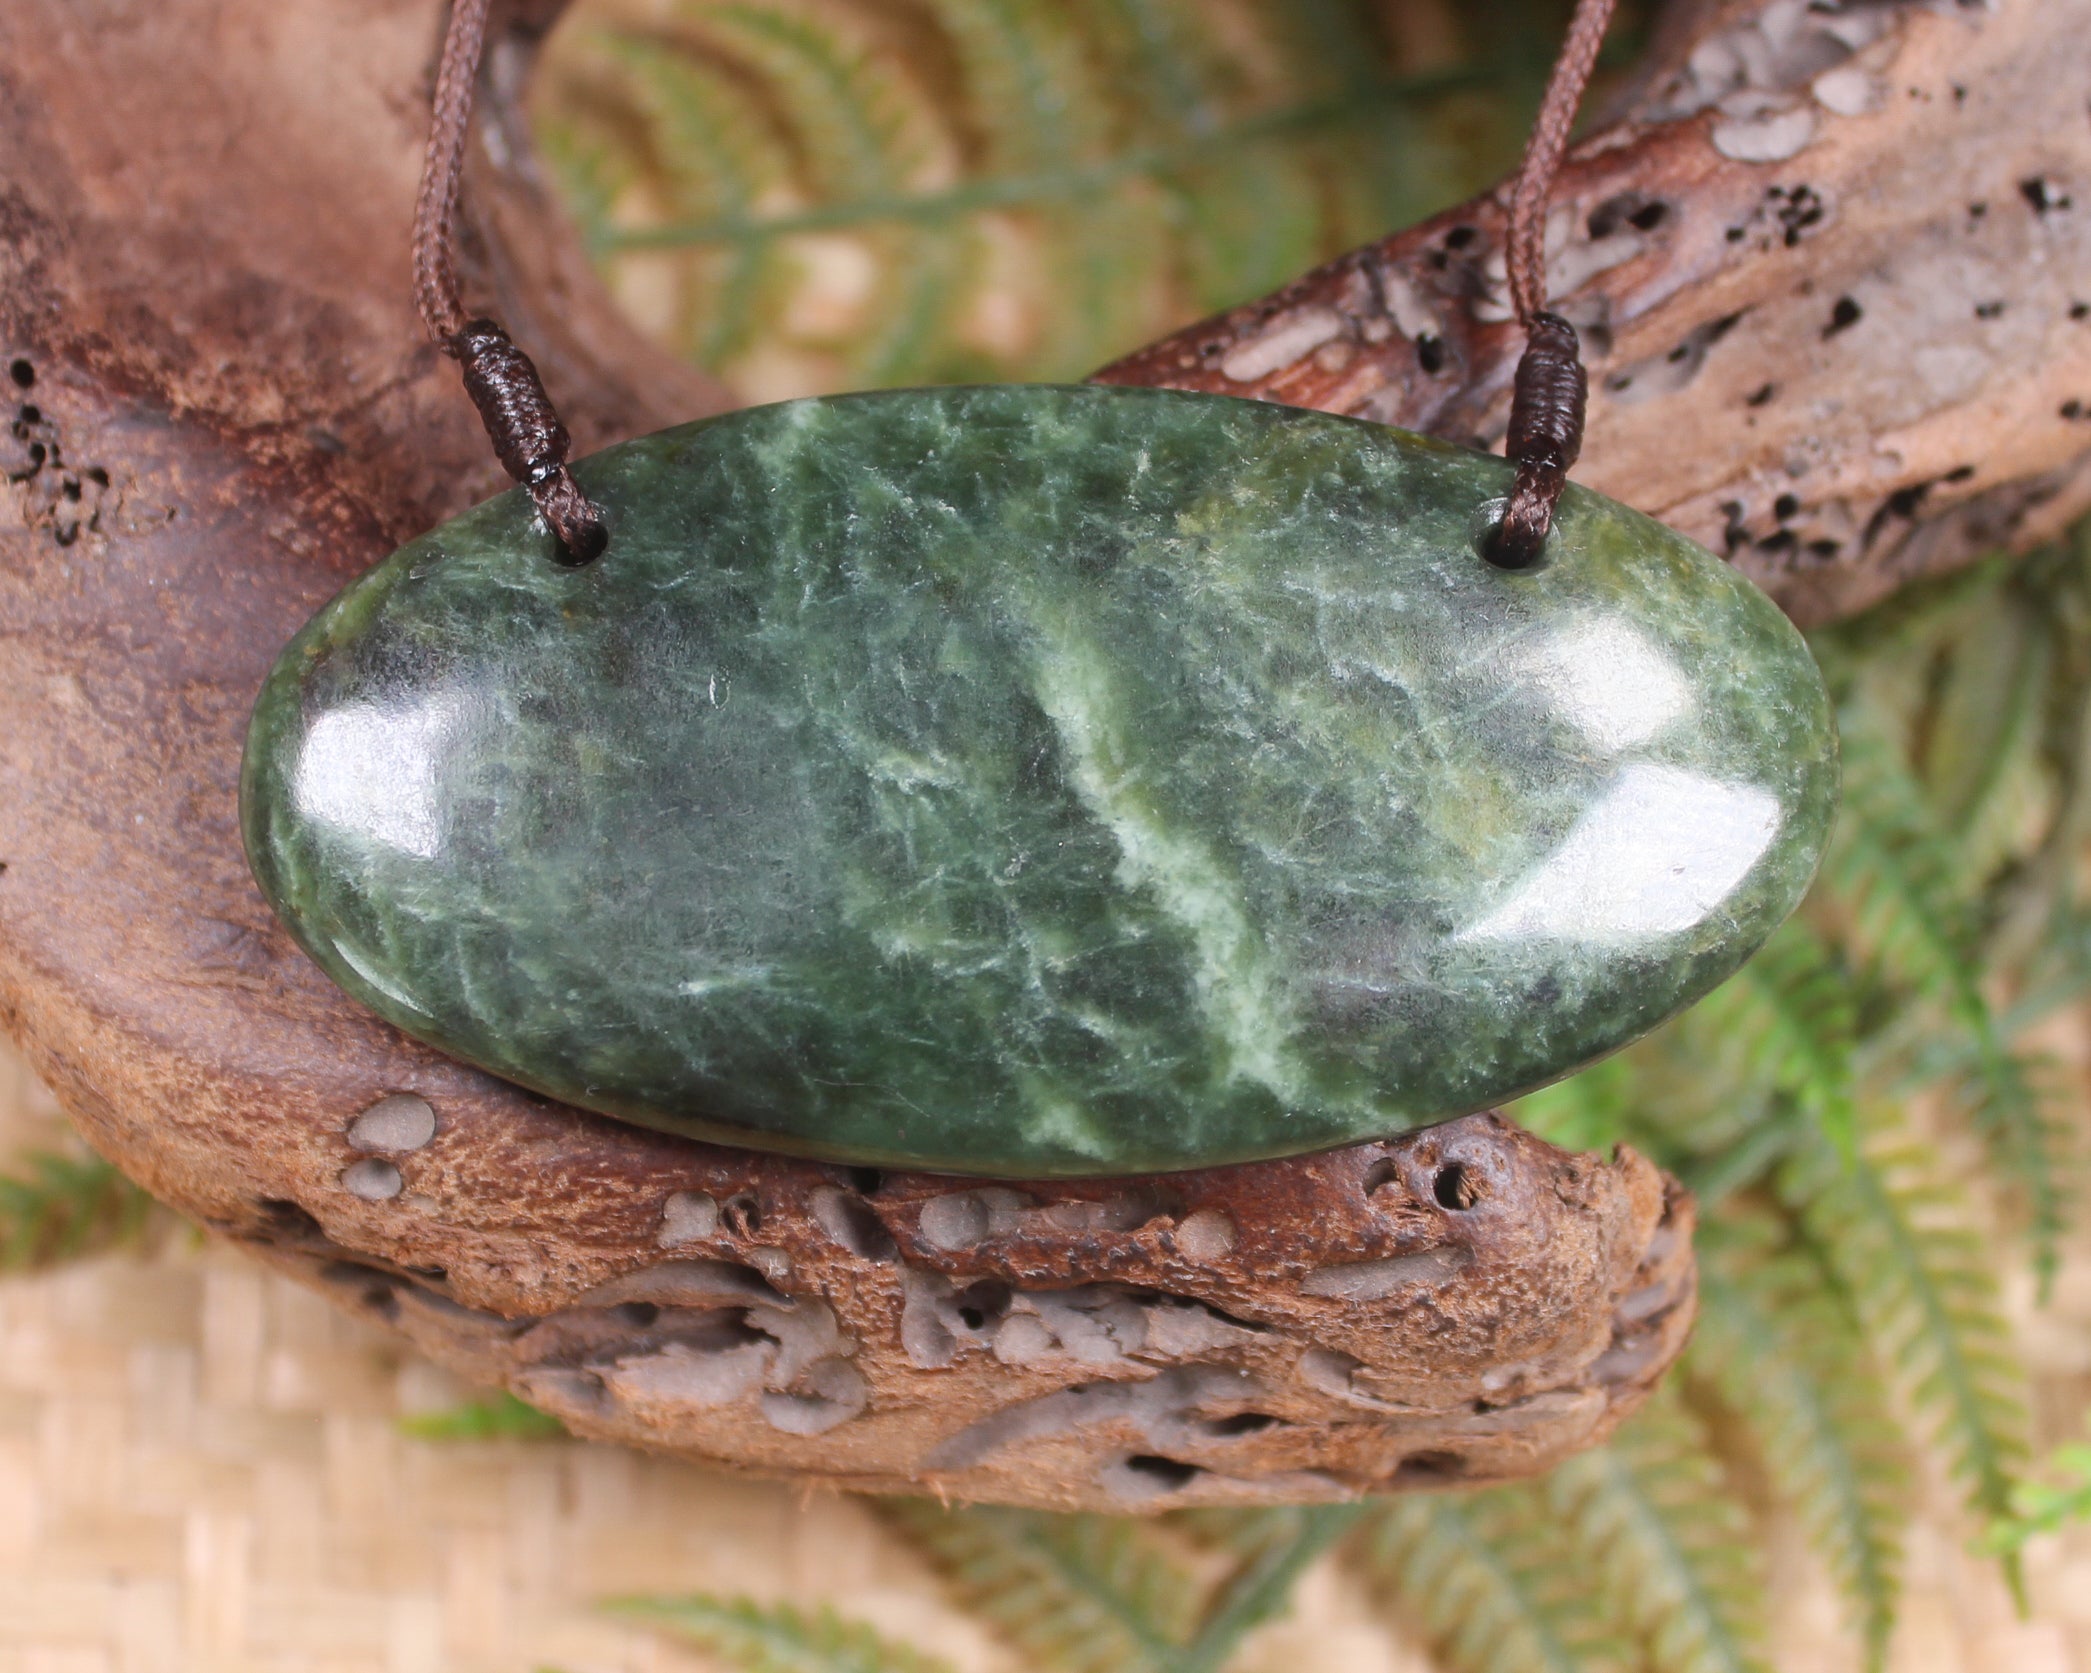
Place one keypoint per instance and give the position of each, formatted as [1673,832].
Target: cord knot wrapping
[1546,434]
[1551,391]
[527,434]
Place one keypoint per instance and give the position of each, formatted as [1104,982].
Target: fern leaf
[1657,1529]
[845,108]
[1792,1363]
[1487,1581]
[1893,1228]
[62,1207]
[689,107]
[1983,770]
[1035,185]
[499,1417]
[775,1638]
[2040,1507]
[1788,1016]
[1277,1548]
[861,135]
[1087,1594]
[1894,870]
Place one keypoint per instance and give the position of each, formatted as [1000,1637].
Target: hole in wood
[1454,1187]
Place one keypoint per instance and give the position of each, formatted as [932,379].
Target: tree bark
[222,408]
[1832,272]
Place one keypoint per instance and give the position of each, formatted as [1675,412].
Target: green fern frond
[1893,869]
[775,1638]
[1276,1548]
[859,134]
[1793,1365]
[1894,872]
[2045,1507]
[1655,1527]
[1035,185]
[1087,1594]
[1788,1023]
[1982,761]
[61,1207]
[683,105]
[498,1417]
[1487,1580]
[1893,1229]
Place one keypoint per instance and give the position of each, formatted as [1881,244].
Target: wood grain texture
[224,409]
[201,1472]
[1832,272]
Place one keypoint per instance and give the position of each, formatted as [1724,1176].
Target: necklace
[1037,780]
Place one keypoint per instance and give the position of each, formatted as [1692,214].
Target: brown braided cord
[520,419]
[1551,391]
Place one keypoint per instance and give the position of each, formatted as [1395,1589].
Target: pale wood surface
[200,1473]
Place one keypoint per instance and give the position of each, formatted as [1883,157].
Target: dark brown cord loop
[1551,390]
[520,419]
[1546,435]
[528,437]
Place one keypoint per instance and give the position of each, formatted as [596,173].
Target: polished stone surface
[1035,781]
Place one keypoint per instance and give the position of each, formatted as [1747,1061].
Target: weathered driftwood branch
[220,407]
[1832,271]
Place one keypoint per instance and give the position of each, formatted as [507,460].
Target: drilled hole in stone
[1454,1187]
[868,1181]
[1485,530]
[1169,1474]
[23,373]
[1386,1171]
[637,1314]
[30,415]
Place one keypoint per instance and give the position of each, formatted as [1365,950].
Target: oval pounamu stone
[1036,781]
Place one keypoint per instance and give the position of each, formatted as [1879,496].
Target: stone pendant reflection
[1036,781]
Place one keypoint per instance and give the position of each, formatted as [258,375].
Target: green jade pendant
[1038,781]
